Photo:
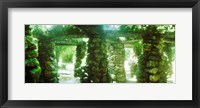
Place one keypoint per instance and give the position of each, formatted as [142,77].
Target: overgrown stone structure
[96,70]
[152,61]
[116,62]
[48,63]
[80,54]
[32,65]
[104,52]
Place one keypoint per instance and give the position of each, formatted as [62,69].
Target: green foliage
[153,45]
[83,72]
[153,63]
[37,30]
[36,72]
[32,65]
[31,62]
[154,78]
[31,43]
[166,28]
[63,30]
[32,54]
[135,28]
[66,53]
[138,48]
[91,30]
[80,54]
[55,31]
[169,50]
[153,71]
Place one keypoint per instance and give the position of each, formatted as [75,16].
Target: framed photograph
[102,53]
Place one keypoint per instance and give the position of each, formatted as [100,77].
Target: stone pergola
[106,56]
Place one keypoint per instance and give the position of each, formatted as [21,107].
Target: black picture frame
[5,4]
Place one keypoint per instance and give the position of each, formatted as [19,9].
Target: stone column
[96,70]
[48,63]
[97,64]
[116,62]
[32,65]
[152,60]
[80,54]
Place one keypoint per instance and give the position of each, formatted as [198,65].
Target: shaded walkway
[67,75]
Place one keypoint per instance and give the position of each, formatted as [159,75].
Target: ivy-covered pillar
[116,62]
[32,65]
[48,63]
[96,70]
[153,60]
[80,54]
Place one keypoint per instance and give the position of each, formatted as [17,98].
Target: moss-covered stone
[116,62]
[32,65]
[153,71]
[32,54]
[152,64]
[154,58]
[154,78]
[36,72]
[31,62]
[48,63]
[80,54]
[152,61]
[96,61]
[31,42]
